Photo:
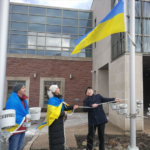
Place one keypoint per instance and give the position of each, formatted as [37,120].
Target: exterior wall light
[34,75]
[70,76]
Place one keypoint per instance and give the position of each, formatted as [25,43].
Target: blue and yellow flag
[54,108]
[15,103]
[114,22]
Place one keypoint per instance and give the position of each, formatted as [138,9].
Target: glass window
[42,34]
[53,20]
[65,35]
[66,54]
[39,47]
[31,51]
[86,50]
[53,48]
[85,15]
[18,51]
[71,30]
[88,54]
[31,47]
[82,54]
[84,30]
[40,52]
[53,41]
[138,43]
[146,26]
[18,25]
[55,35]
[65,42]
[41,41]
[51,28]
[31,40]
[146,44]
[36,27]
[20,9]
[36,19]
[74,36]
[146,8]
[53,53]
[18,39]
[54,12]
[17,46]
[138,26]
[73,44]
[71,14]
[19,32]
[37,10]
[19,17]
[31,33]
[70,22]
[65,49]
[9,16]
[85,23]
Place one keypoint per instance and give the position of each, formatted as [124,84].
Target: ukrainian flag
[15,103]
[54,108]
[114,22]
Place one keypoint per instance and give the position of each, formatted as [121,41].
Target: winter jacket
[96,115]
[56,131]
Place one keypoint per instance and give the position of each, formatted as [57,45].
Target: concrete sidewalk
[76,124]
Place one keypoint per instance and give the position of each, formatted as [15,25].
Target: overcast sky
[79,4]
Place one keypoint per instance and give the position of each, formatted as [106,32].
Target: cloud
[79,4]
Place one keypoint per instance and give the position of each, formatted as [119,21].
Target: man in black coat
[96,117]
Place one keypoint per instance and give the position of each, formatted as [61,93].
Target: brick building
[40,42]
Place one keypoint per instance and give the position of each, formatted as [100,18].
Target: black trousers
[91,134]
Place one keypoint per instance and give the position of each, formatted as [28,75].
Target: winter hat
[17,87]
[52,90]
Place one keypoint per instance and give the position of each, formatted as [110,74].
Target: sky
[78,4]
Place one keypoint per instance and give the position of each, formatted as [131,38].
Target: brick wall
[74,88]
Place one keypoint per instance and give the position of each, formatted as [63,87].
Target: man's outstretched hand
[117,100]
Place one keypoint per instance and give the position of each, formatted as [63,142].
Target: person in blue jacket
[96,116]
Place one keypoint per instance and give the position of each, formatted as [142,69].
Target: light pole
[4,14]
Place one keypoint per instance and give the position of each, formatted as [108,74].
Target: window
[18,26]
[31,51]
[20,9]
[31,40]
[53,20]
[53,53]
[20,17]
[19,32]
[51,28]
[66,54]
[73,44]
[70,22]
[36,27]
[53,41]
[47,84]
[37,10]
[65,42]
[36,19]
[70,14]
[71,30]
[85,23]
[18,39]
[84,30]
[10,86]
[18,46]
[85,15]
[41,41]
[54,12]
[18,51]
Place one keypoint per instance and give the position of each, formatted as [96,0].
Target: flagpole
[4,14]
[132,145]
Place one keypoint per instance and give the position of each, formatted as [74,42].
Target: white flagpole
[132,145]
[4,15]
